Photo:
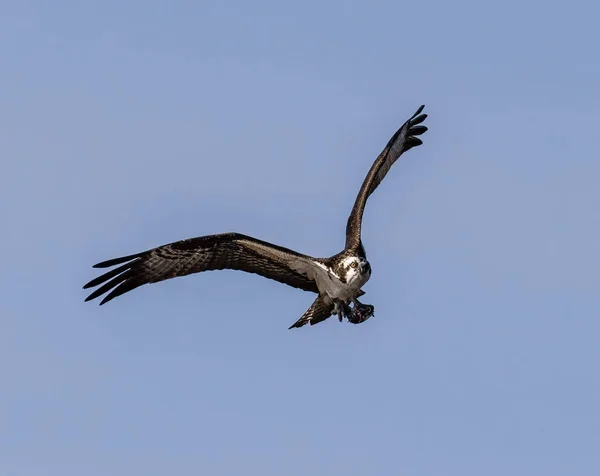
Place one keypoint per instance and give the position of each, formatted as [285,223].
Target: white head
[355,268]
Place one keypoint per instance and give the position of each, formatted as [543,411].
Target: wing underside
[404,139]
[214,252]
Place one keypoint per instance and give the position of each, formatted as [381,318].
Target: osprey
[337,281]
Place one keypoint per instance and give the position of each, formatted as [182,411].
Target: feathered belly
[327,282]
[336,289]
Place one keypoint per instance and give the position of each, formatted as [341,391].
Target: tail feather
[318,311]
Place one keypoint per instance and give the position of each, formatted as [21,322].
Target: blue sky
[126,125]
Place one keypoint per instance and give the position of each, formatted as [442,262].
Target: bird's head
[356,268]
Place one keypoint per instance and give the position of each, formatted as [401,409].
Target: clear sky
[129,124]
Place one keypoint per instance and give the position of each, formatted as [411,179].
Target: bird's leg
[338,310]
[360,312]
[341,309]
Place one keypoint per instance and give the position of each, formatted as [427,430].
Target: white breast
[327,281]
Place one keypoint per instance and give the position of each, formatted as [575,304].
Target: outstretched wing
[403,140]
[317,312]
[205,253]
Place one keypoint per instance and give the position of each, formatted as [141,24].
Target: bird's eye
[354,264]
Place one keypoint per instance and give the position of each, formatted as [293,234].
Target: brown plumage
[337,280]
[403,140]
[205,253]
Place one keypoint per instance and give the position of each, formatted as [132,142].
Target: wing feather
[403,140]
[206,253]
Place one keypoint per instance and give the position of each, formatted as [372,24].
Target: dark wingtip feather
[106,299]
[413,142]
[106,276]
[418,111]
[122,288]
[114,261]
[109,285]
[418,120]
[418,130]
[116,276]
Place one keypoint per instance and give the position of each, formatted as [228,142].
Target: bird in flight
[337,280]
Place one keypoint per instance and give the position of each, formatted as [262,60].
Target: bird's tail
[318,311]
